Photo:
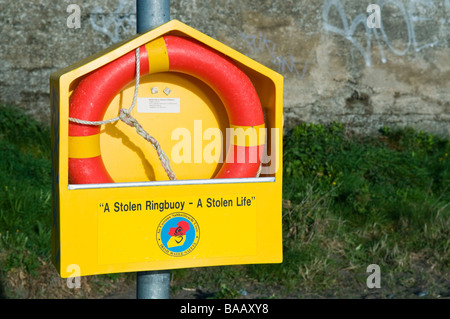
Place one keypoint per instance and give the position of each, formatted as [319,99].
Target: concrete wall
[335,66]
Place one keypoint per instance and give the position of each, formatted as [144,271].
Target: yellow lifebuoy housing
[130,224]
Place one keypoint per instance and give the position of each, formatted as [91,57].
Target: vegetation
[25,195]
[356,201]
[348,202]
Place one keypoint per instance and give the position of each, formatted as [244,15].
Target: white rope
[125,116]
[131,121]
[136,90]
[259,170]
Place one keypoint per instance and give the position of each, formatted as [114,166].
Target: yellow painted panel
[139,230]
[120,233]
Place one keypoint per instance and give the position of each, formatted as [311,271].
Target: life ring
[94,93]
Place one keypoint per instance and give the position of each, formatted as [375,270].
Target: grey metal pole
[152,14]
[153,285]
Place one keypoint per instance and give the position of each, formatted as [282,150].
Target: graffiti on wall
[261,44]
[115,23]
[357,30]
[409,14]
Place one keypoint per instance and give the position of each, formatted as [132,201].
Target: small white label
[158,105]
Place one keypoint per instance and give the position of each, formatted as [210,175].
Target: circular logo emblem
[178,234]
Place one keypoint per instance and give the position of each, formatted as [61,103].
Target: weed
[226,293]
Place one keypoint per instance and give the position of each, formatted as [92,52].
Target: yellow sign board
[144,221]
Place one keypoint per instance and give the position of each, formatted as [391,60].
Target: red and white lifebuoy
[95,92]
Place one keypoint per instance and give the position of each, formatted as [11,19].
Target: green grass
[362,200]
[348,202]
[25,191]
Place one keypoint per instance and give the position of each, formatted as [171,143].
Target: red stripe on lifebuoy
[88,171]
[242,161]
